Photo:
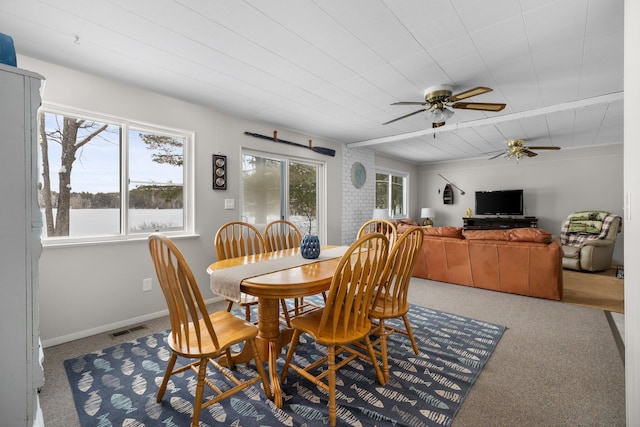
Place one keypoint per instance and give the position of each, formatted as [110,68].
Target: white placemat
[226,282]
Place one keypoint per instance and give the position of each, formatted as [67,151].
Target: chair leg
[260,368]
[331,353]
[374,360]
[383,351]
[407,326]
[197,404]
[290,352]
[285,311]
[229,305]
[167,375]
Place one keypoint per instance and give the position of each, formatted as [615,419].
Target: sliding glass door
[276,187]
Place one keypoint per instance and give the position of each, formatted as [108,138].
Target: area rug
[596,290]
[117,386]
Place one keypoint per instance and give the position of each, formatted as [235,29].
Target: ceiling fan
[439,100]
[516,149]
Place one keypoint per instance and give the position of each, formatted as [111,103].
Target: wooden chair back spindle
[380,226]
[238,238]
[281,234]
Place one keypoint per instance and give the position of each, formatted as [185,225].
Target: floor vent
[127,331]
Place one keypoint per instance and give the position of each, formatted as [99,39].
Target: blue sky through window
[97,165]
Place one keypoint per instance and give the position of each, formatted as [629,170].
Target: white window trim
[126,124]
[405,191]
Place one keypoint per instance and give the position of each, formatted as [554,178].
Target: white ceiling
[331,68]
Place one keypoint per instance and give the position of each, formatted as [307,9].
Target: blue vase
[310,247]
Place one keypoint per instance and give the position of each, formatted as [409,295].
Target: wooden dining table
[294,282]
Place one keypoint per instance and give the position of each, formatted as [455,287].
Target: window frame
[125,126]
[405,190]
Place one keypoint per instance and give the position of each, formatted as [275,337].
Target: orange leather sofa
[524,261]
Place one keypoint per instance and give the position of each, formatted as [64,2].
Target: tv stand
[498,223]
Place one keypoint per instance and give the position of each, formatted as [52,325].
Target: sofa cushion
[486,234]
[403,224]
[533,235]
[407,221]
[455,232]
[536,235]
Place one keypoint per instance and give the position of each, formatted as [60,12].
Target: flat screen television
[503,202]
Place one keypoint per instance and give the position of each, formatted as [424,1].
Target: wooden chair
[236,239]
[345,317]
[282,234]
[196,334]
[390,300]
[383,226]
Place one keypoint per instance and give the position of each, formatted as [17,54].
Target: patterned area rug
[117,386]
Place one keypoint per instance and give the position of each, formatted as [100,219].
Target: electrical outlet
[147,285]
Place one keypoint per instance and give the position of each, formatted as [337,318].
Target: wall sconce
[219,172]
[427,214]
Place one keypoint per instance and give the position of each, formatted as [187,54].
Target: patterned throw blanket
[586,225]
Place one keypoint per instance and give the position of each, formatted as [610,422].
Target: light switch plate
[229,203]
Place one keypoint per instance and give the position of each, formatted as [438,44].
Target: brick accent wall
[357,203]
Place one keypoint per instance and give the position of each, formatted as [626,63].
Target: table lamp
[381,213]
[427,214]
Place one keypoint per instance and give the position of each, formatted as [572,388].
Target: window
[281,188]
[391,193]
[106,178]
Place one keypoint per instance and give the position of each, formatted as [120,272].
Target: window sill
[107,240]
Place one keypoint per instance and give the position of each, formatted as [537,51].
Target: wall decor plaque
[219,172]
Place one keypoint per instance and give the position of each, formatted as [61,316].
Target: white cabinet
[20,226]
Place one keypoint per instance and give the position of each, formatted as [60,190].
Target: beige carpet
[600,290]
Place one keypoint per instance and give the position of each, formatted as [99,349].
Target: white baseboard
[112,326]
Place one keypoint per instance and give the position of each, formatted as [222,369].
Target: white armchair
[584,251]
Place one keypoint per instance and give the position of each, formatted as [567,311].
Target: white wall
[555,184]
[632,192]
[92,288]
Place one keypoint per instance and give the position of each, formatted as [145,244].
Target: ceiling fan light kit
[516,149]
[439,116]
[440,99]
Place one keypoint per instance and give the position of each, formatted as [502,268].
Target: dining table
[272,276]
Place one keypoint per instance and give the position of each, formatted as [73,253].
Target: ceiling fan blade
[529,153]
[410,103]
[405,116]
[483,106]
[544,148]
[469,93]
[497,155]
